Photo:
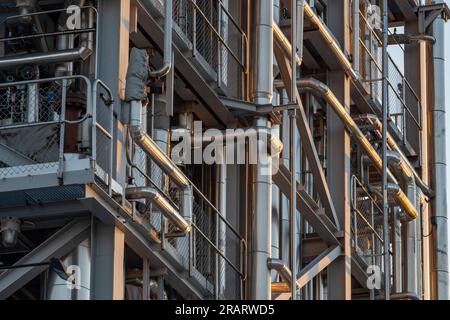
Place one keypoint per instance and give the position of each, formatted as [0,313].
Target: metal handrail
[87,30]
[392,63]
[197,9]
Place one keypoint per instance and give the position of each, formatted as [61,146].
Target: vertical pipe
[222,195]
[284,224]
[439,114]
[356,35]
[293,149]
[411,252]
[261,226]
[397,248]
[262,73]
[384,147]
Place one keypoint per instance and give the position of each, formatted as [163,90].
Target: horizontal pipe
[275,144]
[81,53]
[320,88]
[138,193]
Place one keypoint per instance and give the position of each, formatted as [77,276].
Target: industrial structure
[347,97]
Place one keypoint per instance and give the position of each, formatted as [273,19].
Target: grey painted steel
[168,21]
[59,244]
[439,114]
[58,289]
[307,140]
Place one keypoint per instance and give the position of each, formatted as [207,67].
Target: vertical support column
[440,270]
[114,28]
[107,276]
[338,161]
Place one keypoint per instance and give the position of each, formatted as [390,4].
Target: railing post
[62,126]
[194,30]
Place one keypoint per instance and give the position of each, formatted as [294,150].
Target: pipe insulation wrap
[137,75]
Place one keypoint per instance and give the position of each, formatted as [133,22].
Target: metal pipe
[147,144]
[262,52]
[79,260]
[439,115]
[406,165]
[81,53]
[150,194]
[284,42]
[356,35]
[282,269]
[167,59]
[260,249]
[150,147]
[334,46]
[320,88]
[275,146]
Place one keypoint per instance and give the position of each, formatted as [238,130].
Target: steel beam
[338,156]
[56,246]
[306,138]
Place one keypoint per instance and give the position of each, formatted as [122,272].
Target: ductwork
[320,88]
[167,64]
[153,196]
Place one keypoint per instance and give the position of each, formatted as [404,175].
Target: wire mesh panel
[403,103]
[215,39]
[367,225]
[40,122]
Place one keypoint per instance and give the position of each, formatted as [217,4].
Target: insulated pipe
[276,146]
[281,268]
[320,88]
[81,53]
[406,165]
[334,46]
[66,41]
[149,146]
[152,149]
[260,249]
[438,116]
[262,52]
[79,259]
[167,60]
[150,194]
[284,42]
